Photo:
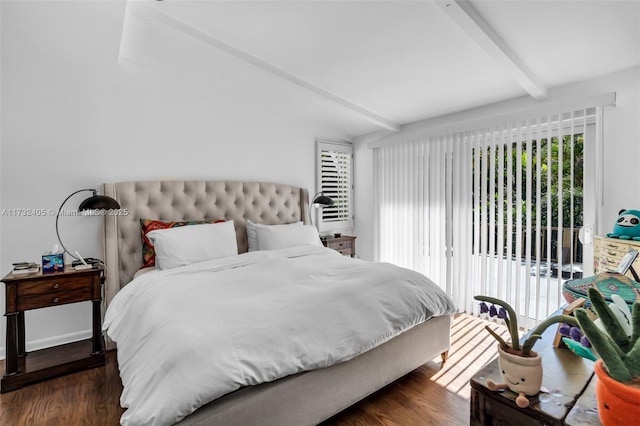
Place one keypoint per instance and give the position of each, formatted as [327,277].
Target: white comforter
[189,335]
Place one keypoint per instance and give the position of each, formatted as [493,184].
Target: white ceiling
[394,62]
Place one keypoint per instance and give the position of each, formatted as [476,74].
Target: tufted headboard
[261,202]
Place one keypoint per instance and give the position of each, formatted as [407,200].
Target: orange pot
[617,402]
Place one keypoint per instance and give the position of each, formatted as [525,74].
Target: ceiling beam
[154,12]
[471,22]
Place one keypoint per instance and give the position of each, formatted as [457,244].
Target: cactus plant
[511,321]
[619,352]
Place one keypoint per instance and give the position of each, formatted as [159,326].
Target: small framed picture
[568,310]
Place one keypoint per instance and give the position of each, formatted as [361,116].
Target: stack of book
[25,268]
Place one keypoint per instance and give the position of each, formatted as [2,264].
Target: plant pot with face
[521,373]
[521,368]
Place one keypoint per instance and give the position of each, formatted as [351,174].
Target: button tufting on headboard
[262,202]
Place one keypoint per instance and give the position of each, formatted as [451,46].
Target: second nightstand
[35,291]
[344,244]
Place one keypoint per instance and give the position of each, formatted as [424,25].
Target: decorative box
[52,262]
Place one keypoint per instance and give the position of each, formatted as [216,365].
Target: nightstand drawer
[53,284]
[340,245]
[60,297]
[344,252]
[344,244]
[41,293]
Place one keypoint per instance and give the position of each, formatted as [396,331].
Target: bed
[306,397]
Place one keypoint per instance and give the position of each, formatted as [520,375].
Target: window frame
[316,213]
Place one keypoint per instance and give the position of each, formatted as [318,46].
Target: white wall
[621,146]
[74,117]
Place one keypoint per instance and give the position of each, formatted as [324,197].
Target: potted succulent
[618,366]
[520,366]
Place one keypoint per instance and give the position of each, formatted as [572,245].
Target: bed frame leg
[444,355]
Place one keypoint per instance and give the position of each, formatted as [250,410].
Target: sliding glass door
[494,211]
[530,192]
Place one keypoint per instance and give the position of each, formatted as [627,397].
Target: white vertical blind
[549,130]
[489,211]
[538,196]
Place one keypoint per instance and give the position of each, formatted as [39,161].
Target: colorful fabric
[148,225]
[607,283]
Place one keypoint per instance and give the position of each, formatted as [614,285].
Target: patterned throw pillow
[148,225]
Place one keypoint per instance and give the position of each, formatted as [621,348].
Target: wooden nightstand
[345,244]
[35,291]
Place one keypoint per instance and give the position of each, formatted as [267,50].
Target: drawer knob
[56,285]
[56,300]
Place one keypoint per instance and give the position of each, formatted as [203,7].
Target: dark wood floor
[431,395]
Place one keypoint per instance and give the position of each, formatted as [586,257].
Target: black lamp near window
[320,201]
[94,202]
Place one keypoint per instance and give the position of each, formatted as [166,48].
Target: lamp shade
[98,202]
[321,199]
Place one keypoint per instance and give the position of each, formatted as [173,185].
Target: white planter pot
[521,374]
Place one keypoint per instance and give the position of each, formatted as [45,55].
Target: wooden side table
[568,378]
[35,291]
[344,244]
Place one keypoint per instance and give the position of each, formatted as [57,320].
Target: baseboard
[51,341]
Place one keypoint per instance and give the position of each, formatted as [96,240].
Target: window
[335,180]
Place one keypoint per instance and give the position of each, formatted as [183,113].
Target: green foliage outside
[572,194]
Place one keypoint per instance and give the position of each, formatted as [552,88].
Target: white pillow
[272,238]
[252,238]
[185,245]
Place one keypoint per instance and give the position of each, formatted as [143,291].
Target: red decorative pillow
[148,225]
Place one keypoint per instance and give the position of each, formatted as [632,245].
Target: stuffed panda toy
[627,226]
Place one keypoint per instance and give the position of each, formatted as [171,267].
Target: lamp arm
[320,200]
[314,207]
[58,217]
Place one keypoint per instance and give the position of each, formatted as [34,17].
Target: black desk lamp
[95,202]
[320,201]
